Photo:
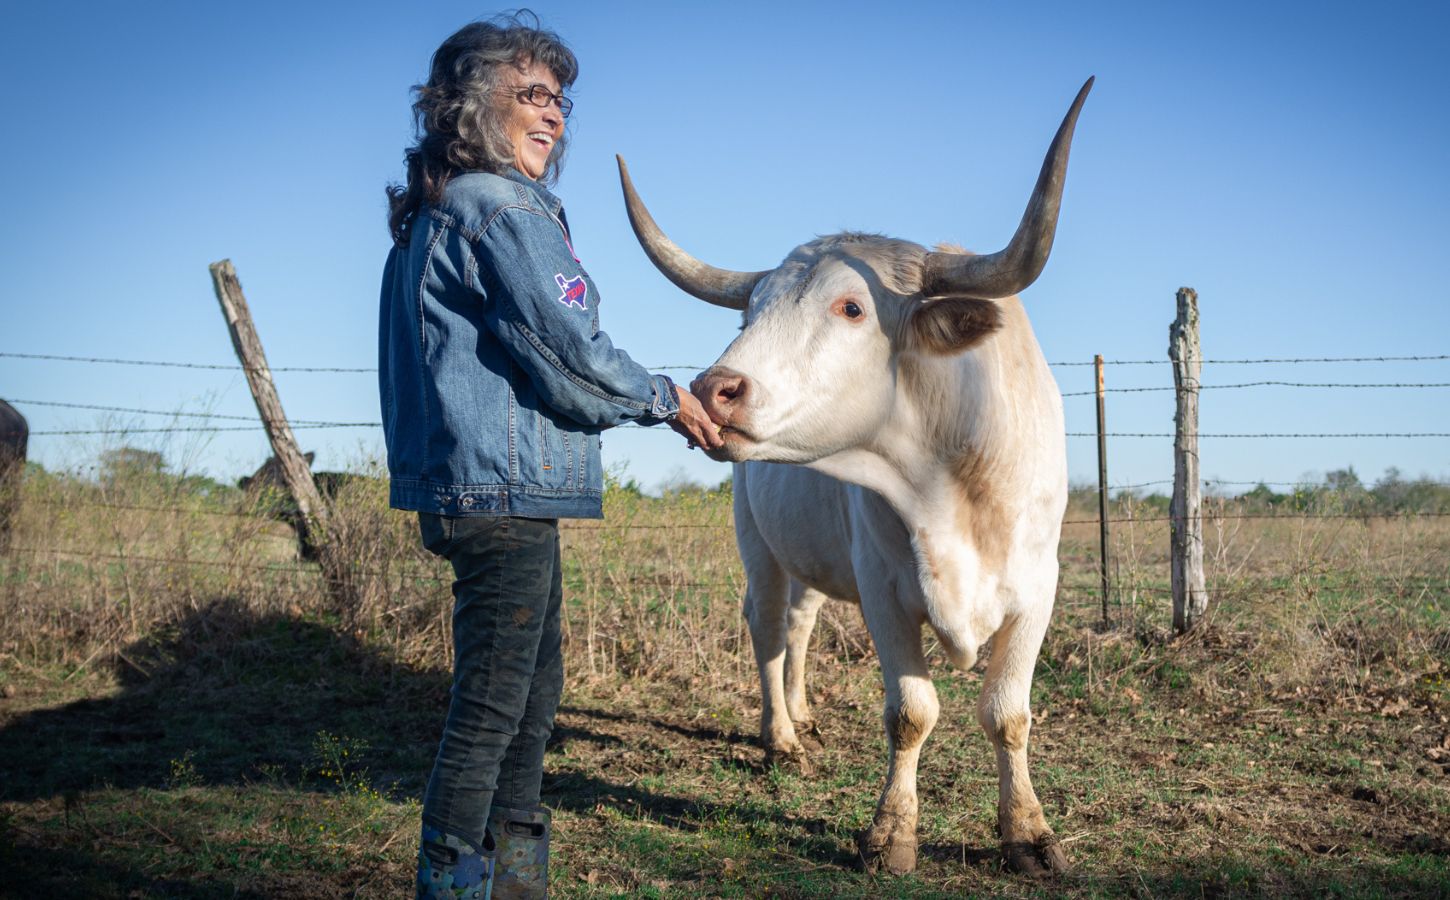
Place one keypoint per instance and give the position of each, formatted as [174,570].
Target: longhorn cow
[929,483]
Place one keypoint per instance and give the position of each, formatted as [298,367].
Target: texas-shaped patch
[574,290]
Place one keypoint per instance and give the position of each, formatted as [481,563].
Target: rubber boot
[521,870]
[449,868]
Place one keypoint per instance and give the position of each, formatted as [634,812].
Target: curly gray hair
[458,117]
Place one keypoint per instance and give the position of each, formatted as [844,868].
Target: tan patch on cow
[908,726]
[1011,733]
[983,514]
[924,544]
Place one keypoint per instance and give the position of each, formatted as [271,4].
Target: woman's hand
[694,424]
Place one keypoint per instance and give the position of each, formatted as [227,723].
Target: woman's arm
[539,303]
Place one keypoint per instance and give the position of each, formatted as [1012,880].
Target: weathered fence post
[1190,598]
[1102,484]
[296,474]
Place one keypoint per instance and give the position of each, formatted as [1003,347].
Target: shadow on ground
[238,697]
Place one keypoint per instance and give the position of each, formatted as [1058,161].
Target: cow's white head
[813,371]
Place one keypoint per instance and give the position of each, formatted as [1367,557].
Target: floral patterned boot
[450,869]
[522,836]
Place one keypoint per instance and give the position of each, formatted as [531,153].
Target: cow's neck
[955,458]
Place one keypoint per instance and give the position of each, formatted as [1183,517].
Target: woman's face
[532,130]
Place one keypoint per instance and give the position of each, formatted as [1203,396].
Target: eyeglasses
[539,95]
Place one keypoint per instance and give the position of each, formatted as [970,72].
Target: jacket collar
[554,204]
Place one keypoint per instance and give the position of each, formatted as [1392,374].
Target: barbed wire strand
[1210,516]
[1251,384]
[185,430]
[726,526]
[95,504]
[1072,434]
[230,367]
[1228,583]
[160,412]
[317,570]
[1245,362]
[1223,434]
[329,424]
[1212,482]
[302,424]
[1066,585]
[358,370]
[207,563]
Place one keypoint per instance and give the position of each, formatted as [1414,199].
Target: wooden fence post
[1102,484]
[296,474]
[1190,598]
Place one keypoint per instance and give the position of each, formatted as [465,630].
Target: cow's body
[929,486]
[939,554]
[14,438]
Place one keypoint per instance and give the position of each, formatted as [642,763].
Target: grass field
[184,713]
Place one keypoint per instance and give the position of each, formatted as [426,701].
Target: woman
[496,381]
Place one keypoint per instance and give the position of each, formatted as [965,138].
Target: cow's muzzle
[724,393]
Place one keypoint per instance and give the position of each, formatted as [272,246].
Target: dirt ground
[182,715]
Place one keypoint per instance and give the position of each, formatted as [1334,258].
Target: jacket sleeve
[541,305]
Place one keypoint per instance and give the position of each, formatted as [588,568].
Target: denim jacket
[494,377]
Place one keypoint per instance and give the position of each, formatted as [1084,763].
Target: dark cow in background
[14,437]
[267,486]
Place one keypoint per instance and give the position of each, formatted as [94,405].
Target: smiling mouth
[545,141]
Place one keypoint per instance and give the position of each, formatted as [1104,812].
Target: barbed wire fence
[204,424]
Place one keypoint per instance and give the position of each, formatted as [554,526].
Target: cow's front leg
[909,714]
[805,604]
[766,609]
[1028,844]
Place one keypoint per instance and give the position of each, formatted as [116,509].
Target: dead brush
[653,591]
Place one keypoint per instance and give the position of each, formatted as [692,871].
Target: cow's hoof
[1042,858]
[894,854]
[809,734]
[791,759]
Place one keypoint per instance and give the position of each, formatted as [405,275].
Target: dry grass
[168,665]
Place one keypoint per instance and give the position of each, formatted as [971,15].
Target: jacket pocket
[543,456]
[555,453]
[546,452]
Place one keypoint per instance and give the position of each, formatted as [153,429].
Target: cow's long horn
[1008,271]
[721,287]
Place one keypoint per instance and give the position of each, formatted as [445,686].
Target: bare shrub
[653,591]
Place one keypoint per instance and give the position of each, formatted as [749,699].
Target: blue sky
[1286,161]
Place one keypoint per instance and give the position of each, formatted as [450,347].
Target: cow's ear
[310,455]
[953,324]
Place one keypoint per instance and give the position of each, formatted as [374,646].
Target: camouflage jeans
[508,671]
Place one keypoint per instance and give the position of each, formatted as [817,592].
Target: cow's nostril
[721,391]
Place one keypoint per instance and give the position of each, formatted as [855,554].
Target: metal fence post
[1102,484]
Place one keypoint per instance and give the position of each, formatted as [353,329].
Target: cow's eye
[852,311]
[848,308]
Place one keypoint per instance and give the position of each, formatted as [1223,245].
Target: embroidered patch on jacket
[574,290]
